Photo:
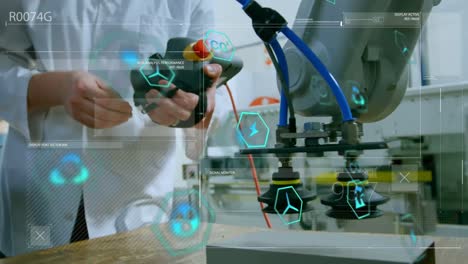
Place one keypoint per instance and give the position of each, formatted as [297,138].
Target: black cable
[284,85]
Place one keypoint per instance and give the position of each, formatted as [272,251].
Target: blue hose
[244,3]
[283,121]
[322,69]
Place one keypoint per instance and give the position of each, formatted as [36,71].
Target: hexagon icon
[186,232]
[289,193]
[153,78]
[253,130]
[219,44]
[355,201]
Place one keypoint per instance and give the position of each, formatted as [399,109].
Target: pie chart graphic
[70,164]
[185,221]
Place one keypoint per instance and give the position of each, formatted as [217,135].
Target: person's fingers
[102,113]
[116,105]
[108,99]
[159,115]
[92,122]
[164,83]
[182,104]
[163,117]
[105,97]
[105,87]
[88,88]
[211,96]
[213,71]
[188,101]
[168,105]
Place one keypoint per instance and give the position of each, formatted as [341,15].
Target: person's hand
[92,103]
[170,111]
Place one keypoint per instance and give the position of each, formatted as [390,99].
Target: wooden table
[141,246]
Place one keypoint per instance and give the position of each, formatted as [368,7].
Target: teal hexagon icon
[355,197]
[286,195]
[252,130]
[219,44]
[190,223]
[153,75]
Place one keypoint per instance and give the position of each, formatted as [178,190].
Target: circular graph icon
[69,165]
[185,221]
[190,222]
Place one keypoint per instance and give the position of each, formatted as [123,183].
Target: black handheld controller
[182,66]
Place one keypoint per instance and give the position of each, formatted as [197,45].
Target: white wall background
[446,43]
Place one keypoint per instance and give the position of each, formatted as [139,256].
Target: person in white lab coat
[87,104]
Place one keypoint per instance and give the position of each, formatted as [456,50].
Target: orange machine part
[264,100]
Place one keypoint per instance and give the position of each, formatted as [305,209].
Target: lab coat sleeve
[14,83]
[202,19]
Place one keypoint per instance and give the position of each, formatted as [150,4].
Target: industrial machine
[353,72]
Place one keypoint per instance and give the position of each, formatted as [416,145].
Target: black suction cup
[353,198]
[286,195]
[279,197]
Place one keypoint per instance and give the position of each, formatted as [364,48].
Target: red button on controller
[200,49]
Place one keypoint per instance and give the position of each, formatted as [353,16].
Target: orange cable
[251,160]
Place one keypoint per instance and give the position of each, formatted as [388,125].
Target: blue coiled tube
[283,121]
[322,69]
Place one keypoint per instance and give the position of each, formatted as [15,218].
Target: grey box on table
[321,248]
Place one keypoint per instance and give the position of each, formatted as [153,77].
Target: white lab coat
[140,168]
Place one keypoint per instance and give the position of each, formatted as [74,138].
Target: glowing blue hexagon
[254,130]
[156,74]
[289,207]
[175,231]
[357,203]
[219,41]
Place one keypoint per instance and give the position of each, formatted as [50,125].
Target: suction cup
[286,195]
[287,199]
[353,198]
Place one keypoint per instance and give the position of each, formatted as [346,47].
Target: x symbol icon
[404,177]
[40,235]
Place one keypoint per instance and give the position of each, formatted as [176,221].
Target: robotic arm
[367,54]
[351,68]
